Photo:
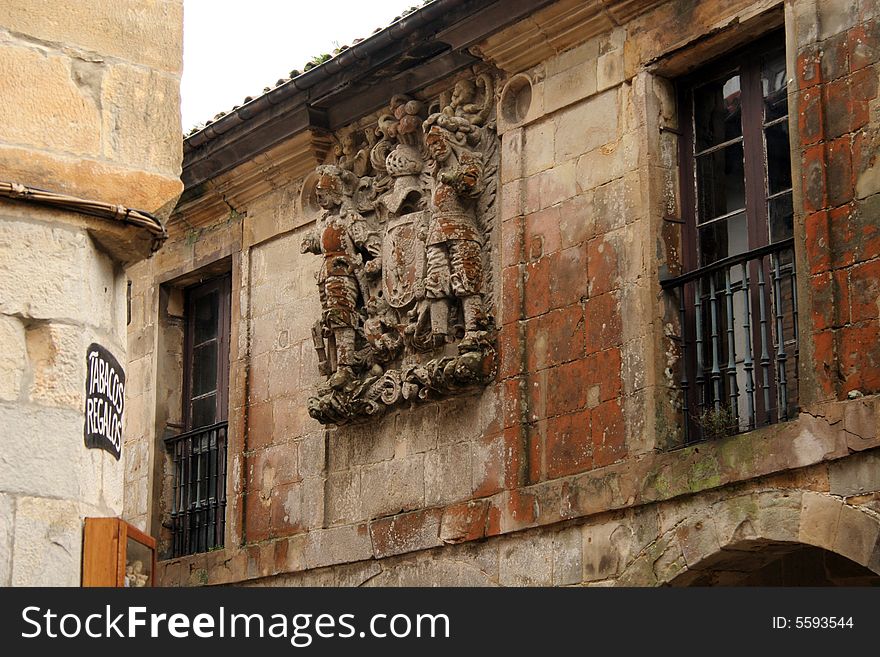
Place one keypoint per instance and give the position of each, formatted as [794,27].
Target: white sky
[235,48]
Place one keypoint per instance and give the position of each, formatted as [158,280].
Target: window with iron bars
[198,509]
[737,300]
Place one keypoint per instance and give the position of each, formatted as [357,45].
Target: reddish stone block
[405,532]
[843,226]
[602,259]
[608,433]
[260,425]
[511,295]
[864,291]
[510,355]
[280,556]
[825,362]
[813,178]
[568,277]
[489,465]
[604,328]
[811,117]
[569,444]
[543,227]
[860,358]
[605,371]
[536,435]
[493,518]
[841,298]
[554,338]
[836,97]
[535,248]
[839,178]
[818,242]
[822,295]
[807,67]
[511,242]
[464,522]
[537,286]
[257,518]
[835,57]
[863,44]
[512,455]
[521,510]
[567,387]
[255,561]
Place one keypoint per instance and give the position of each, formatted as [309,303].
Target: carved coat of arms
[404,224]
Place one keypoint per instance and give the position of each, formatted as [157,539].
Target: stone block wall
[93,97]
[837,70]
[563,470]
[91,109]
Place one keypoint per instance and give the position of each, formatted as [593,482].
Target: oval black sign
[105,400]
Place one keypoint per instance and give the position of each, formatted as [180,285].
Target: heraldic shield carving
[403,274]
[404,225]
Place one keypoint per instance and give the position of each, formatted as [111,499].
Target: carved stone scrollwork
[404,225]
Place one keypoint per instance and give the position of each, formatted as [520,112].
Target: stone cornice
[271,169]
[556,28]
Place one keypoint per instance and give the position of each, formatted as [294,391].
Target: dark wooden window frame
[222,286]
[198,508]
[747,62]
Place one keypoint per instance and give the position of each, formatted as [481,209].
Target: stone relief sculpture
[404,224]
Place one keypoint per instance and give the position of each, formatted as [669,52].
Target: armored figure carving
[404,222]
[453,242]
[342,238]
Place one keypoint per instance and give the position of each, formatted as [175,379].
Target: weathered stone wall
[836,93]
[92,99]
[714,537]
[560,471]
[91,94]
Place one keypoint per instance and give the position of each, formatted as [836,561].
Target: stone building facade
[90,131]
[625,334]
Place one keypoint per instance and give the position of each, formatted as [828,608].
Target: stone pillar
[91,110]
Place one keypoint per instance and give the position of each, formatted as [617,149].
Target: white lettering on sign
[105,401]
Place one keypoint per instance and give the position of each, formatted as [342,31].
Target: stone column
[91,110]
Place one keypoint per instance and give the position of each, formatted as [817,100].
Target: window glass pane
[204,411]
[773,82]
[780,212]
[717,112]
[206,312]
[720,182]
[204,377]
[778,158]
[723,238]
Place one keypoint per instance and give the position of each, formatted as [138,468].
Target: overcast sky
[235,48]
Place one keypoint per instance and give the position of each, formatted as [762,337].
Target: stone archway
[766,563]
[729,540]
